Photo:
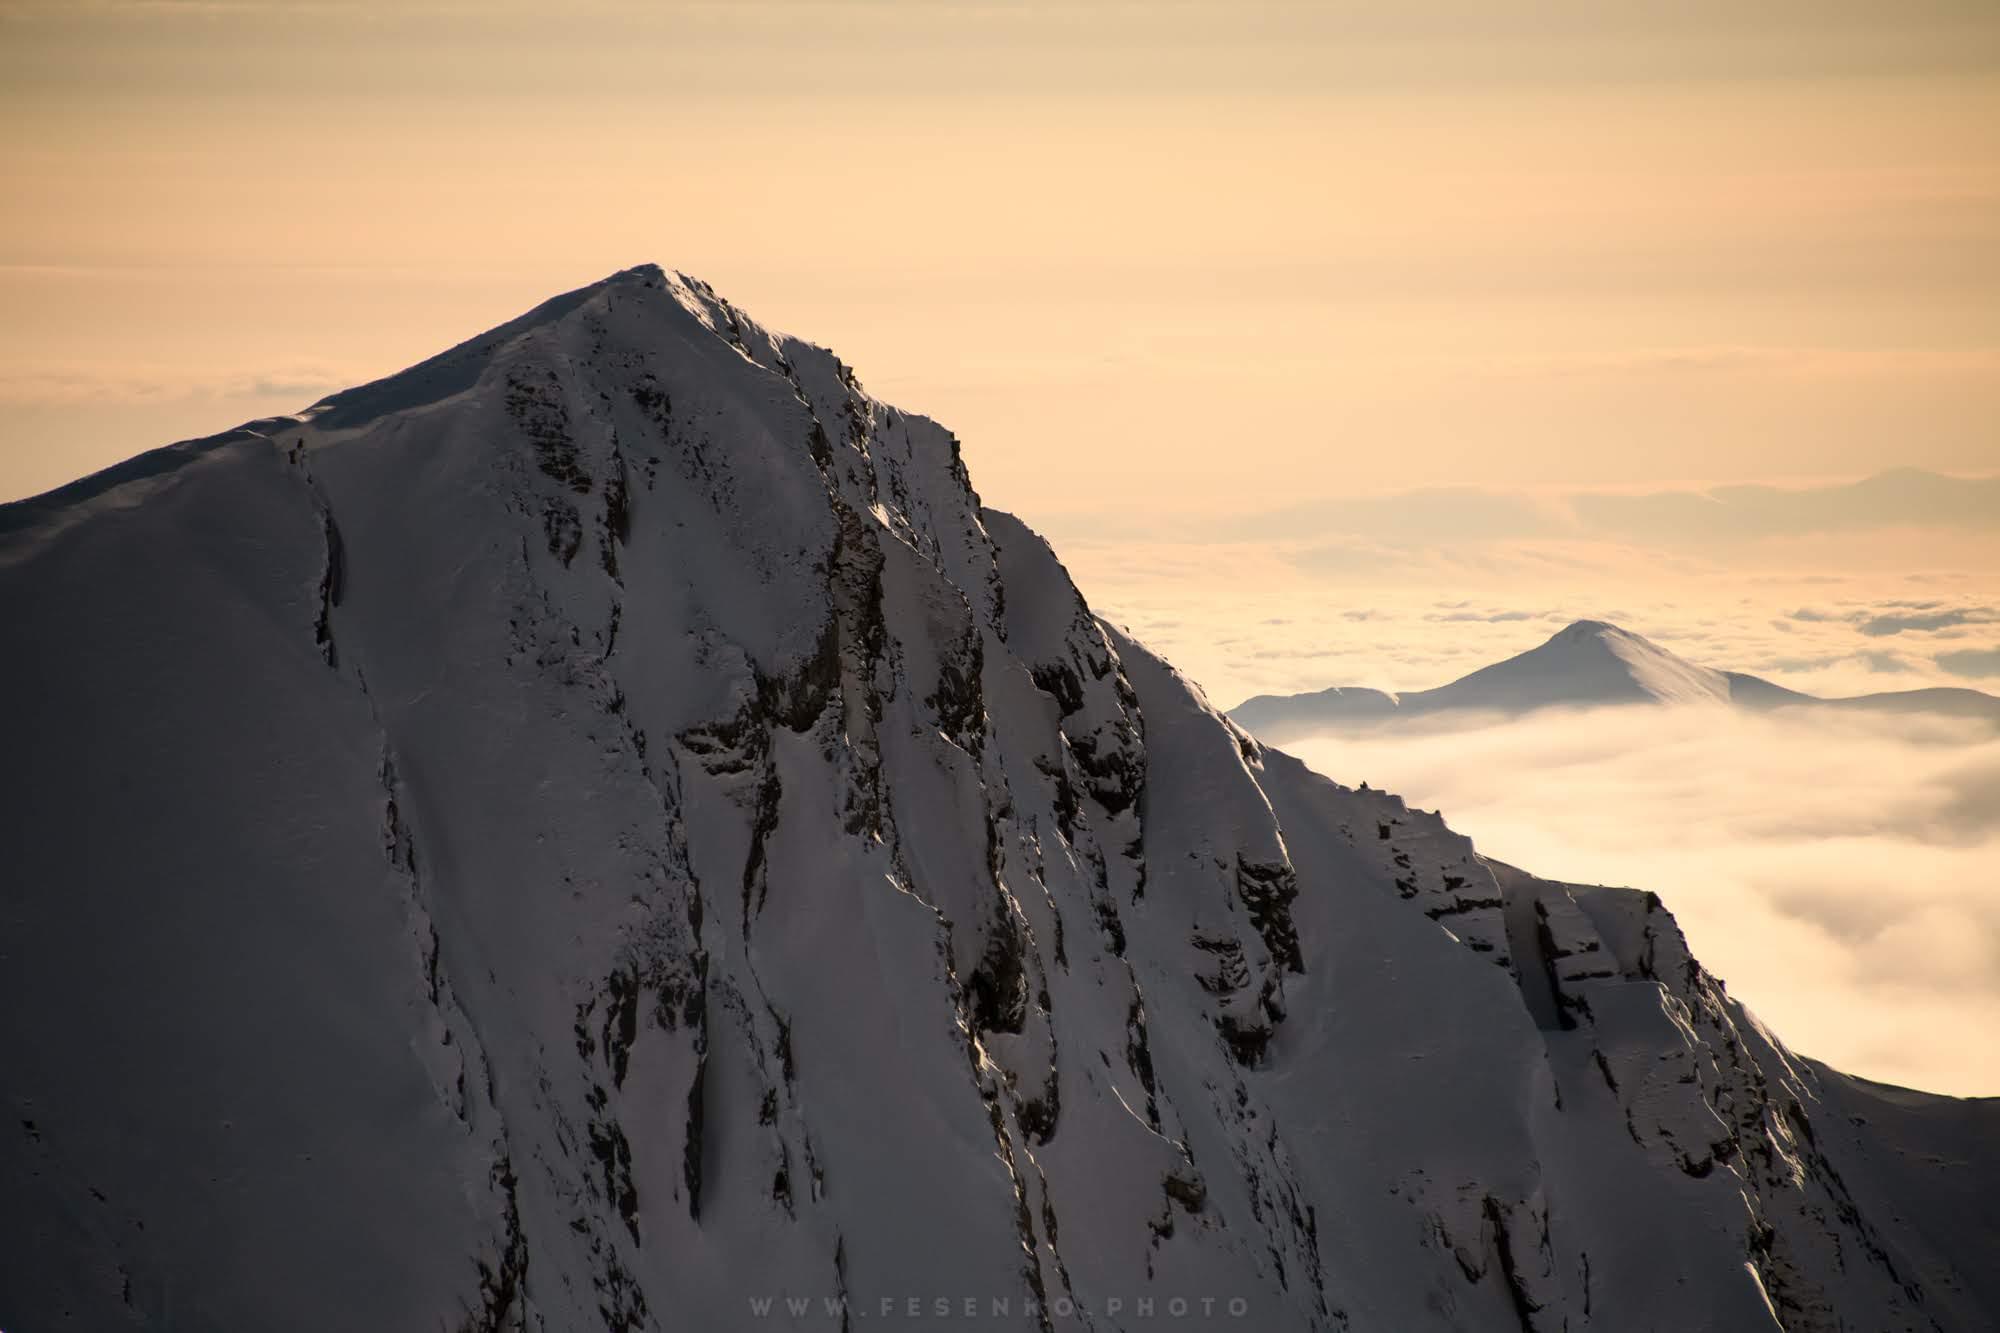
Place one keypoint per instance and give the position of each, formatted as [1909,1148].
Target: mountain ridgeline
[1587,664]
[602,829]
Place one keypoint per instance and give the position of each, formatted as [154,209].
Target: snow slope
[602,829]
[1583,665]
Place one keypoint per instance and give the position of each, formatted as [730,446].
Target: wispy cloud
[1350,528]
[298,382]
[1977,663]
[1489,617]
[1901,622]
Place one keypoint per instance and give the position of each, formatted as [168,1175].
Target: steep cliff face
[602,830]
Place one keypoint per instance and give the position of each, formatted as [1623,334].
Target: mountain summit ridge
[609,830]
[1587,661]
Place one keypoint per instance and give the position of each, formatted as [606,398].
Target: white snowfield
[602,831]
[1587,664]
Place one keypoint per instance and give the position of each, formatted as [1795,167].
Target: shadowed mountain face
[1587,664]
[603,829]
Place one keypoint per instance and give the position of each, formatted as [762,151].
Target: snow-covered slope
[1586,664]
[602,830]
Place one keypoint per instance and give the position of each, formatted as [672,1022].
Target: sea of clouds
[1840,872]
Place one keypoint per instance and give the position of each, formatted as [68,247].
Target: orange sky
[1199,255]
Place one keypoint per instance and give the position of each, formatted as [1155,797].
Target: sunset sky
[1206,289]
[1200,255]
[1346,343]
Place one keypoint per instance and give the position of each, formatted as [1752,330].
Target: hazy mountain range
[602,829]
[1587,664]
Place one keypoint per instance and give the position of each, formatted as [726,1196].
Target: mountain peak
[460,367]
[643,325]
[1586,629]
[635,840]
[1587,662]
[1603,632]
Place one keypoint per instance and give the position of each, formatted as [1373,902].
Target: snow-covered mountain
[1586,664]
[602,831]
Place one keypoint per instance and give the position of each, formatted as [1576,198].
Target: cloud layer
[1841,874]
[1834,589]
[1691,518]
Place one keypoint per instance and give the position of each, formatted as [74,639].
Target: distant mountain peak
[1588,633]
[1585,664]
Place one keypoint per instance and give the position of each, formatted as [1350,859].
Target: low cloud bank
[1842,874]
